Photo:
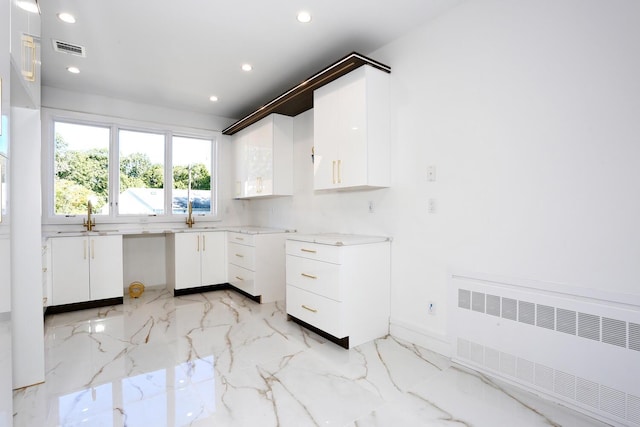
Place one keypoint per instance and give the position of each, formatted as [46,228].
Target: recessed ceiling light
[213,98]
[28,5]
[247,67]
[304,17]
[67,17]
[74,70]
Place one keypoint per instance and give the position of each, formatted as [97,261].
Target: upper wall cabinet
[351,131]
[25,57]
[264,158]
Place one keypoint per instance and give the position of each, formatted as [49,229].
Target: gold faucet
[190,220]
[89,222]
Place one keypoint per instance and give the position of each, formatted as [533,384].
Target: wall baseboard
[414,333]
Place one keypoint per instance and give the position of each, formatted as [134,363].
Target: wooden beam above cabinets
[300,98]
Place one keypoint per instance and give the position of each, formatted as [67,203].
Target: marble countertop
[337,239]
[107,230]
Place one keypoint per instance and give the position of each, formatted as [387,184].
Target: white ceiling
[178,53]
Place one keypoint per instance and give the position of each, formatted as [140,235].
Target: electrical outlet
[371,207]
[432,308]
[431,173]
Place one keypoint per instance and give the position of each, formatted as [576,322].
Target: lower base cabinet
[339,285]
[196,260]
[256,264]
[85,269]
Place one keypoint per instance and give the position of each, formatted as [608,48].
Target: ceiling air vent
[64,47]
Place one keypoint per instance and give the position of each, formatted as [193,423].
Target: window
[191,175]
[81,167]
[141,173]
[128,171]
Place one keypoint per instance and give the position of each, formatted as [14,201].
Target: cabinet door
[105,267]
[352,130]
[260,158]
[213,258]
[240,162]
[69,270]
[187,260]
[325,118]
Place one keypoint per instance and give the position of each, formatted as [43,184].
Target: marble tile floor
[220,359]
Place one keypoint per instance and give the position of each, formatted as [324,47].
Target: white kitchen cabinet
[196,260]
[264,158]
[351,131]
[338,285]
[25,57]
[256,263]
[86,268]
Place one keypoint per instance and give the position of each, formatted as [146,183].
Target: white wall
[530,113]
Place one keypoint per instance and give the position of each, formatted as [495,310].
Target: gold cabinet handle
[240,256]
[313,310]
[308,275]
[259,186]
[93,249]
[311,251]
[333,172]
[339,173]
[239,238]
[240,278]
[204,243]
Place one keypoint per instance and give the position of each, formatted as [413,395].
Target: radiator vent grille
[634,336]
[545,317]
[544,377]
[566,321]
[509,309]
[612,401]
[589,326]
[633,409]
[493,305]
[477,301]
[587,393]
[526,312]
[614,332]
[601,330]
[464,299]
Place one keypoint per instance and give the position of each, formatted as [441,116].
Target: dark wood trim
[201,289]
[342,342]
[300,98]
[64,308]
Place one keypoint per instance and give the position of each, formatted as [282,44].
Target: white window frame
[50,116]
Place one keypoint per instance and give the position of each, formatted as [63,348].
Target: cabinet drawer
[316,310]
[242,255]
[242,238]
[242,279]
[322,278]
[327,253]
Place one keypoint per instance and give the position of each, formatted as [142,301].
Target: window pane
[192,175]
[141,173]
[81,168]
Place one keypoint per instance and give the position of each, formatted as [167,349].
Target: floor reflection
[173,396]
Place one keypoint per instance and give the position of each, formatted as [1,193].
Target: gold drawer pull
[313,310]
[240,278]
[308,275]
[311,251]
[240,256]
[239,238]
